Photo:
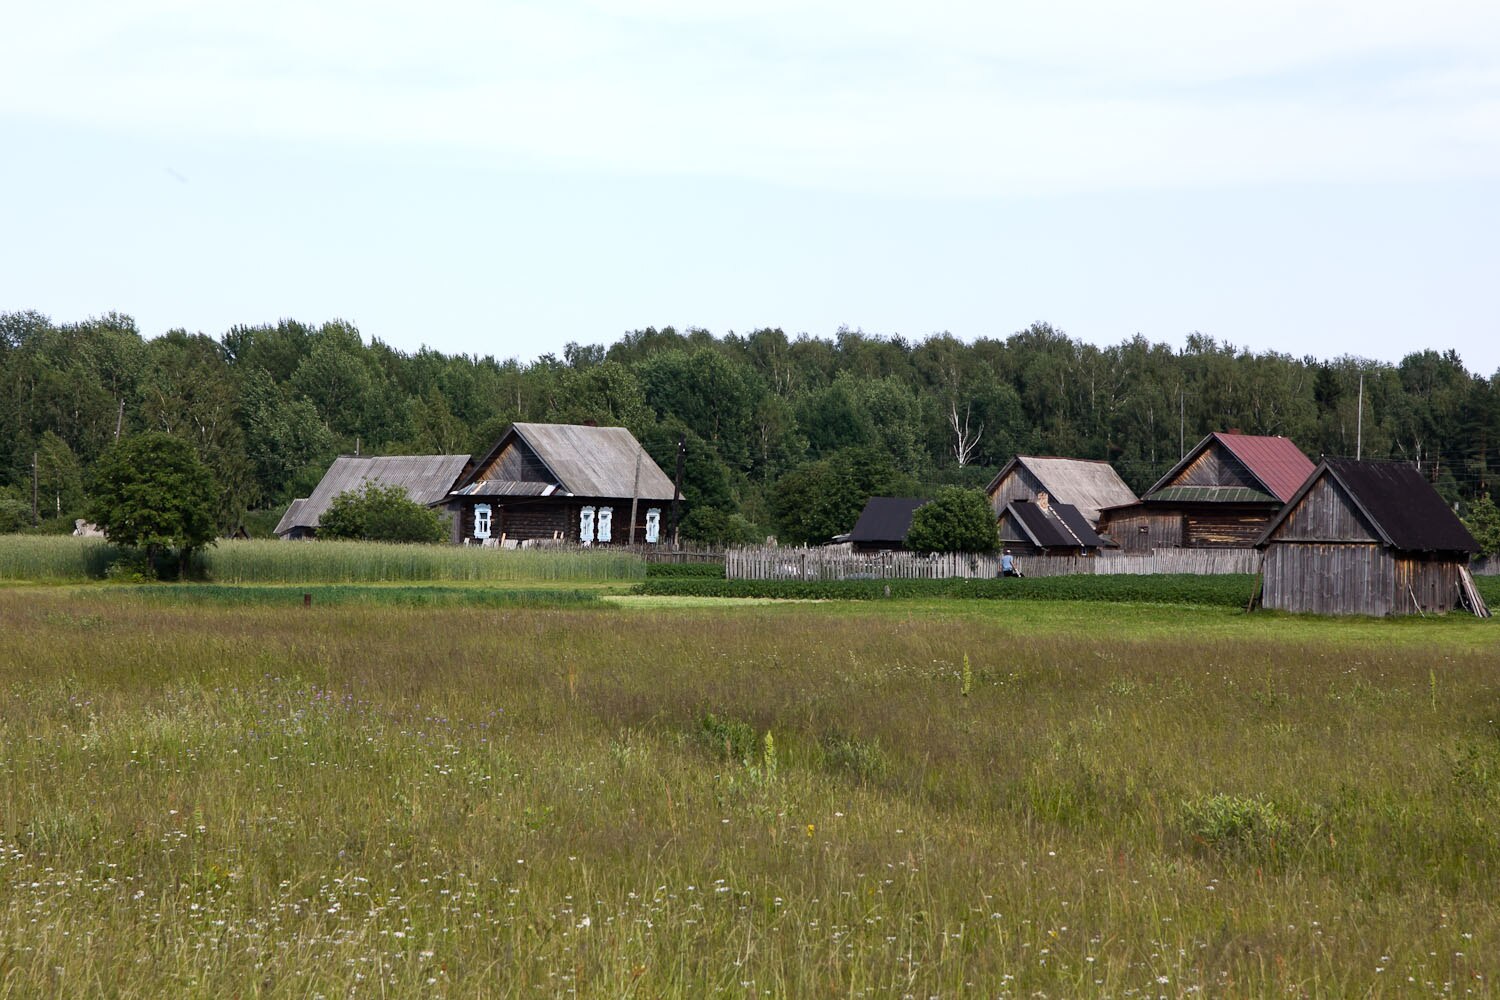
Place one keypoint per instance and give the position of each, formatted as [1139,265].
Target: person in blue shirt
[1008,565]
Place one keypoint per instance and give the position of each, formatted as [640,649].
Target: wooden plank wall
[1214,467]
[1019,485]
[1222,529]
[1328,578]
[823,564]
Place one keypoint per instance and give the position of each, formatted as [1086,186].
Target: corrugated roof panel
[426,479]
[1404,506]
[1211,494]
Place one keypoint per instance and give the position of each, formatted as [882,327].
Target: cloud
[963,99]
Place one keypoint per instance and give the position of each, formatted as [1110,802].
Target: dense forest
[783,433]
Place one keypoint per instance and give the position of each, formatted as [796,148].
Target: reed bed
[370,800]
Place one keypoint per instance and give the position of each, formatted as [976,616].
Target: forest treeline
[784,433]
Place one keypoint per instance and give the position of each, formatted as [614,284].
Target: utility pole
[677,484]
[35,520]
[1359,422]
[635,490]
[1181,424]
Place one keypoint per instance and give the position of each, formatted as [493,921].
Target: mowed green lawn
[662,797]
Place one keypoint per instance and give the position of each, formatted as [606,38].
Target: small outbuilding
[1367,538]
[884,523]
[1086,484]
[1044,527]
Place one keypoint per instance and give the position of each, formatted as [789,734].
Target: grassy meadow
[635,797]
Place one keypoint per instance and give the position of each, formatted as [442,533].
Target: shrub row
[685,571]
[1227,590]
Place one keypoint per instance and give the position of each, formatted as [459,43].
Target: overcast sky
[502,178]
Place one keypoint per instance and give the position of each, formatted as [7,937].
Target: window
[586,526]
[653,525]
[482,520]
[606,517]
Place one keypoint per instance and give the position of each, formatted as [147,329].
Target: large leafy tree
[376,513]
[958,520]
[152,492]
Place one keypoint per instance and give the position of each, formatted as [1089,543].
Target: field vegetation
[868,799]
[68,559]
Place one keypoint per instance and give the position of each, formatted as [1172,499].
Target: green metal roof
[1211,494]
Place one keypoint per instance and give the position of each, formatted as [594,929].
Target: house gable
[1325,513]
[515,461]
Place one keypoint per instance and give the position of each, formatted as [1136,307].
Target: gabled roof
[1088,484]
[1056,525]
[585,461]
[426,479]
[1274,462]
[885,520]
[1399,504]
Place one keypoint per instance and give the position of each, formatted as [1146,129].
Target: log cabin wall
[1232,528]
[1144,530]
[540,519]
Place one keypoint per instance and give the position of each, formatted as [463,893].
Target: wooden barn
[883,524]
[426,479]
[1087,485]
[1367,538]
[1044,527]
[561,482]
[1221,495]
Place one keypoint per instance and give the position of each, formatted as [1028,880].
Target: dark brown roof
[1399,503]
[885,520]
[1059,525]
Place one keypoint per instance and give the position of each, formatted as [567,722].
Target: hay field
[613,799]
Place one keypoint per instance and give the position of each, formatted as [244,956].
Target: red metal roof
[1276,461]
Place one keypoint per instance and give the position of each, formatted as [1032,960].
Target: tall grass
[259,561]
[54,558]
[362,800]
[32,557]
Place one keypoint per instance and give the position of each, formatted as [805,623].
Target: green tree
[818,500]
[376,513]
[152,492]
[1483,523]
[958,520]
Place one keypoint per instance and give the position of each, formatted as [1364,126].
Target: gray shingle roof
[590,461]
[1085,483]
[426,479]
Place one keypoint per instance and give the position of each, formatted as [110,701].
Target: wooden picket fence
[834,564]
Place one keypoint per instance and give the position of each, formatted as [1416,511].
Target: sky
[503,178]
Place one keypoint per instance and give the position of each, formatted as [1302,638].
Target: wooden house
[1367,538]
[426,479]
[883,524]
[1043,527]
[1087,485]
[1221,495]
[561,482]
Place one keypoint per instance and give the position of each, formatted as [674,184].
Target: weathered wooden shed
[1044,527]
[561,482]
[1086,484]
[426,479]
[1365,538]
[1221,495]
[883,524]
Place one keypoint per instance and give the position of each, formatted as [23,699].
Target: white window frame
[586,526]
[653,525]
[483,520]
[604,525]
